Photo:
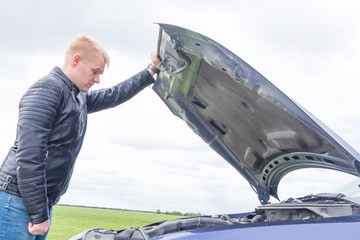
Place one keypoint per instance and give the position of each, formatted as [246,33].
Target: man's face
[88,72]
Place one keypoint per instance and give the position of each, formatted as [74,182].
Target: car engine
[311,208]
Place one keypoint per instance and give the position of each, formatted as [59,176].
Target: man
[50,131]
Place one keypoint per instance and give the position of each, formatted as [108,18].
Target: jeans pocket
[14,218]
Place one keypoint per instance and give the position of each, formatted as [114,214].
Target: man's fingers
[39,229]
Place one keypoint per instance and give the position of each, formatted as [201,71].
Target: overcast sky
[140,156]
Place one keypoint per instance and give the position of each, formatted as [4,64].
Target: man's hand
[155,61]
[39,229]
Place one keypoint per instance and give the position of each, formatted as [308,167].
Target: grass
[68,221]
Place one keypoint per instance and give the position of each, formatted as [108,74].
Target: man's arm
[111,97]
[36,116]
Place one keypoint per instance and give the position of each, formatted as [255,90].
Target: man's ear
[76,60]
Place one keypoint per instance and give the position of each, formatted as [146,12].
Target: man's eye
[94,72]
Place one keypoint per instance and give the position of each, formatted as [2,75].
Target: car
[262,133]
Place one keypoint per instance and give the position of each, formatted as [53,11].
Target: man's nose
[97,79]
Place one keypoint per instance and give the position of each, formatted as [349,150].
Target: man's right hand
[39,229]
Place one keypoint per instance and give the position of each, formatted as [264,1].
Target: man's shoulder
[46,88]
[50,83]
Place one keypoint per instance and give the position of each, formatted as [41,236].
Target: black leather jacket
[50,132]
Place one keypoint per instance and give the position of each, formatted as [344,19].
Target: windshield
[312,181]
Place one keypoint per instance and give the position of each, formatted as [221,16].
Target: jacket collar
[61,75]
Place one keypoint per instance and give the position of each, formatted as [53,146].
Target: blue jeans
[14,219]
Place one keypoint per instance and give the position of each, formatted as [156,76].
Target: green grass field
[68,221]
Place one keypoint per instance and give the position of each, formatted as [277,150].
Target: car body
[262,133]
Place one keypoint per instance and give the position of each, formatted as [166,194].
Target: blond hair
[86,47]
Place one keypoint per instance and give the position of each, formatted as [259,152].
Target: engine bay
[311,208]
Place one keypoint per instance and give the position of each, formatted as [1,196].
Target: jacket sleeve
[37,111]
[110,97]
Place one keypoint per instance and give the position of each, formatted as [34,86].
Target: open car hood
[253,125]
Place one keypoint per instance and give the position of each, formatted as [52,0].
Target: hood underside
[241,115]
